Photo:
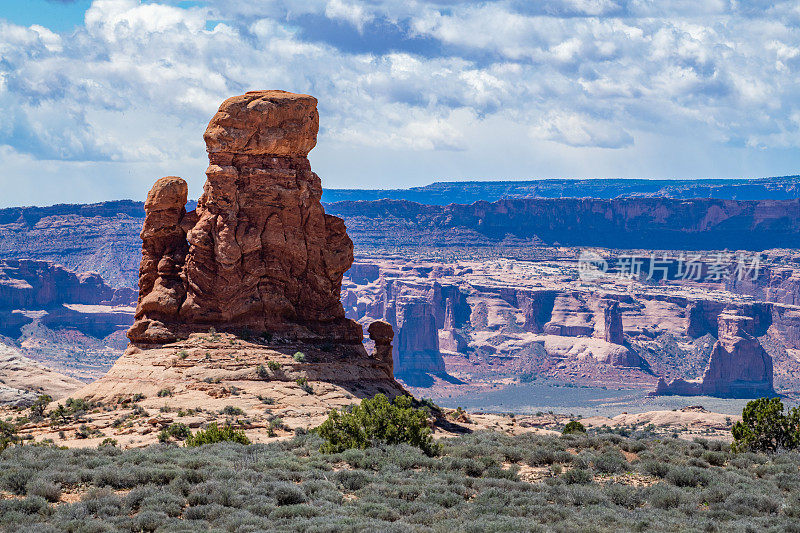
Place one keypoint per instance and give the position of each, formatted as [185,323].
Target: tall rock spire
[259,253]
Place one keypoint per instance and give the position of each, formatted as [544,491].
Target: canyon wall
[739,367]
[44,292]
[654,223]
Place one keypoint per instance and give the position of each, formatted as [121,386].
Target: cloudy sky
[99,98]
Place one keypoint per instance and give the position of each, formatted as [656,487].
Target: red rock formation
[162,289]
[259,253]
[611,321]
[382,334]
[417,347]
[739,367]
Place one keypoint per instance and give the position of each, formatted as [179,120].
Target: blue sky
[101,97]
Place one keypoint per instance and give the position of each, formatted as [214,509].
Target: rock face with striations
[739,367]
[259,253]
[417,349]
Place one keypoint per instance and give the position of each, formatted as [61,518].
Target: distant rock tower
[739,367]
[259,253]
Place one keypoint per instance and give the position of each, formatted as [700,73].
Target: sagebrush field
[485,481]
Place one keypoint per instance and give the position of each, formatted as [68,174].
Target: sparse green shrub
[611,462]
[288,494]
[377,421]
[663,496]
[305,385]
[573,426]
[655,468]
[71,409]
[8,435]
[165,392]
[289,485]
[231,410]
[765,428]
[38,407]
[273,365]
[46,489]
[623,495]
[213,434]
[108,442]
[177,431]
[275,423]
[687,476]
[266,400]
[577,476]
[300,357]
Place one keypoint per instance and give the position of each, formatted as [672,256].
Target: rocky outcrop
[739,367]
[259,253]
[538,308]
[22,380]
[29,284]
[417,349]
[611,321]
[703,316]
[239,299]
[382,334]
[647,223]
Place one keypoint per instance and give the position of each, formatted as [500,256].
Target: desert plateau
[476,266]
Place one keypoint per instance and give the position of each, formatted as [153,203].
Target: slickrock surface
[259,253]
[224,379]
[22,380]
[692,418]
[192,381]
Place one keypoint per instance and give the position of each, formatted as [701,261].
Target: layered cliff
[655,223]
[738,367]
[42,291]
[467,192]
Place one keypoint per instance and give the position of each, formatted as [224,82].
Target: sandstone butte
[231,292]
[739,367]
